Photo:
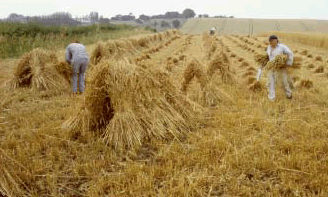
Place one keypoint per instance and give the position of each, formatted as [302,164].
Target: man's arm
[68,55]
[259,70]
[268,51]
[290,55]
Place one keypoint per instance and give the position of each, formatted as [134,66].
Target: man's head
[273,41]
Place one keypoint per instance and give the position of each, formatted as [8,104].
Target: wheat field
[226,26]
[169,114]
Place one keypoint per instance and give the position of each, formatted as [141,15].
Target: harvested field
[240,26]
[164,114]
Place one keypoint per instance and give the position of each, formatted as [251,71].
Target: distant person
[275,48]
[212,30]
[77,56]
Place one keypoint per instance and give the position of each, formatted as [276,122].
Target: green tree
[176,23]
[188,13]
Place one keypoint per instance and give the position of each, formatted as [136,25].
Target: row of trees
[58,18]
[65,18]
[166,24]
[187,13]
[219,16]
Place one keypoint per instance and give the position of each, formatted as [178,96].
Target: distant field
[310,39]
[255,26]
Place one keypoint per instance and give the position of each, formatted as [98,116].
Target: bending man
[77,56]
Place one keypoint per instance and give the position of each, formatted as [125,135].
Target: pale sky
[299,9]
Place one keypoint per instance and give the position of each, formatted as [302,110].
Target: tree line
[65,18]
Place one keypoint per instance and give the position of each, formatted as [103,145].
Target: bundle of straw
[182,57]
[221,63]
[251,80]
[256,86]
[116,49]
[244,64]
[277,63]
[208,93]
[297,62]
[98,53]
[248,73]
[306,83]
[64,69]
[318,58]
[320,69]
[193,70]
[261,59]
[38,70]
[212,49]
[143,42]
[128,104]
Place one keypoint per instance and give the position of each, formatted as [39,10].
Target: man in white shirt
[274,49]
[212,31]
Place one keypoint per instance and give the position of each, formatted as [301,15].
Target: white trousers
[272,76]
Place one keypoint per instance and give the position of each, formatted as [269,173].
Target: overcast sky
[312,9]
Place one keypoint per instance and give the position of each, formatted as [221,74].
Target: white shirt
[281,49]
[76,52]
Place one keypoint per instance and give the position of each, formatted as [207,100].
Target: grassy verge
[16,39]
